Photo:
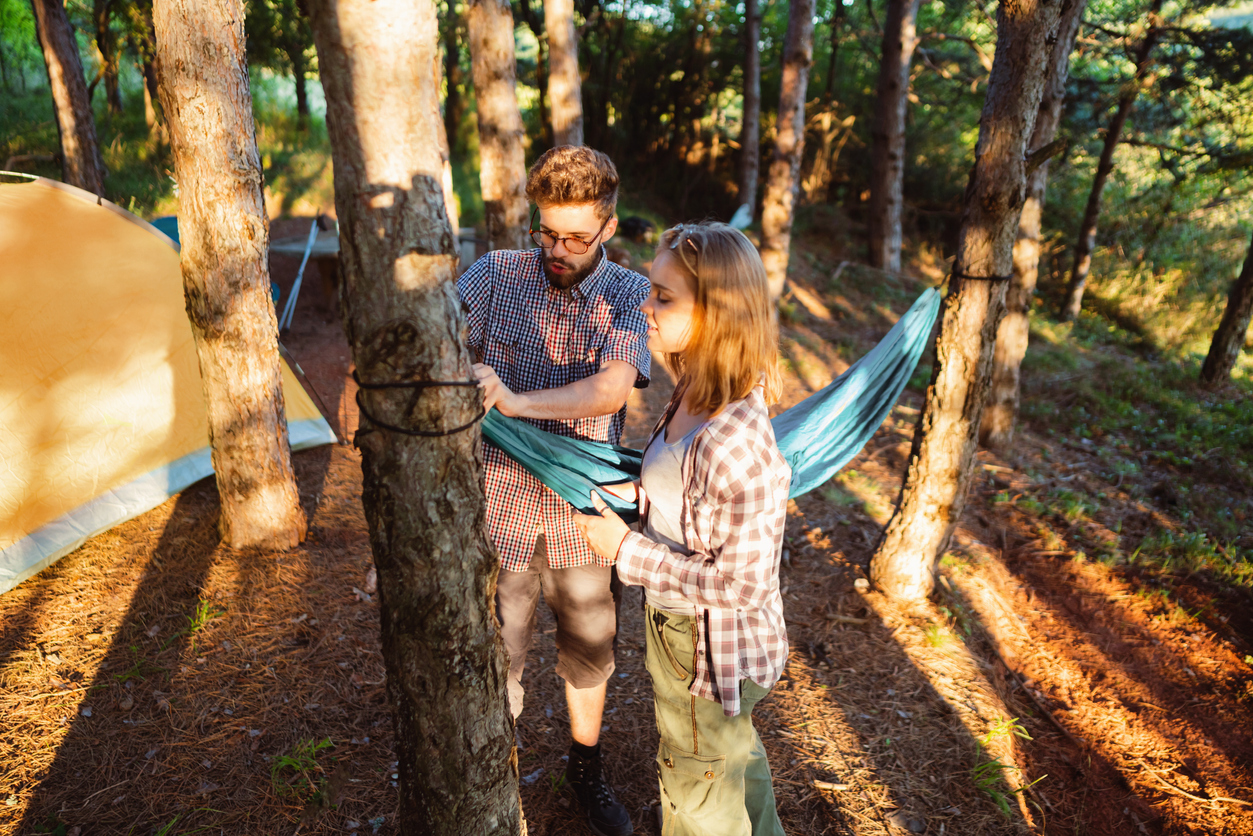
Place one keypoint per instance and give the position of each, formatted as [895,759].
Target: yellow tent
[102,414]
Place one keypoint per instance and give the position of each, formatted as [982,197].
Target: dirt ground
[156,682]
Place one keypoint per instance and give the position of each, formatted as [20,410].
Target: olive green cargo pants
[714,777]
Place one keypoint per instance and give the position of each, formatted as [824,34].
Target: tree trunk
[887,137]
[750,131]
[299,69]
[997,428]
[942,459]
[1229,337]
[1086,243]
[565,90]
[778,208]
[81,164]
[106,44]
[837,20]
[445,155]
[225,240]
[502,164]
[454,103]
[423,497]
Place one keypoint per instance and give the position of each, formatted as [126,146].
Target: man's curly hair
[571,174]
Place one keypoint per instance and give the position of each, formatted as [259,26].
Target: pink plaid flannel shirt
[537,337]
[733,515]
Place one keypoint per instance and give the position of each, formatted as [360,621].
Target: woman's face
[670,305]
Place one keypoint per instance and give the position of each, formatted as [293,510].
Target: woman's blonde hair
[734,339]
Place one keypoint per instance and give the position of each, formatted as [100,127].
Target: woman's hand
[603,533]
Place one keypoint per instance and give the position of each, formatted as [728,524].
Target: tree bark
[1229,338]
[837,20]
[887,146]
[502,162]
[296,55]
[942,459]
[1001,413]
[454,103]
[750,131]
[106,43]
[81,164]
[445,155]
[778,208]
[1086,243]
[225,240]
[423,497]
[565,89]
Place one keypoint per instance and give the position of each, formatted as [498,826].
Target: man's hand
[604,533]
[495,392]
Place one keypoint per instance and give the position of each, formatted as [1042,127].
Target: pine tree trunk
[225,240]
[1232,330]
[81,164]
[750,131]
[445,155]
[502,164]
[942,460]
[837,21]
[454,103]
[887,146]
[1086,242]
[423,497]
[106,44]
[296,55]
[565,89]
[778,208]
[997,429]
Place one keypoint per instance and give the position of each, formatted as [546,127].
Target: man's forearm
[604,393]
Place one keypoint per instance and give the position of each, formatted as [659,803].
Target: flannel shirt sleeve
[628,336]
[475,288]
[747,526]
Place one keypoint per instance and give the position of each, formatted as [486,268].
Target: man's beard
[570,277]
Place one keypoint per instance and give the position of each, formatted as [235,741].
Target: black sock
[587,753]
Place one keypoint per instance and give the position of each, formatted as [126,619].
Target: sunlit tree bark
[750,130]
[502,164]
[81,164]
[1086,242]
[1224,350]
[887,145]
[997,429]
[942,460]
[225,240]
[423,496]
[565,89]
[782,183]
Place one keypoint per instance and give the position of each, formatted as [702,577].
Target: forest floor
[1085,668]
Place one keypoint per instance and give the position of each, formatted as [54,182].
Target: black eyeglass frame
[538,234]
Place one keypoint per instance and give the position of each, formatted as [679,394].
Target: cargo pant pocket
[691,785]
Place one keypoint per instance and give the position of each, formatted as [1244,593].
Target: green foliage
[1193,552]
[989,773]
[298,773]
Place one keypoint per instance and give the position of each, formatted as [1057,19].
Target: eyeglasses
[682,234]
[576,246]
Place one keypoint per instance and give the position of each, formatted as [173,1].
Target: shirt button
[709,775]
[669,763]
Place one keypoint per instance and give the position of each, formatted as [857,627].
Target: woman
[713,495]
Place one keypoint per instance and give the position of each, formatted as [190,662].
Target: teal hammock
[818,436]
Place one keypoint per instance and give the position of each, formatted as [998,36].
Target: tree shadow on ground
[126,720]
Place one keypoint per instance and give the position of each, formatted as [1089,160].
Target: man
[562,342]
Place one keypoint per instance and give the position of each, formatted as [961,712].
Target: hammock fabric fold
[818,436]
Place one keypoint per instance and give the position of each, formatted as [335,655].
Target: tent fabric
[818,436]
[102,412]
